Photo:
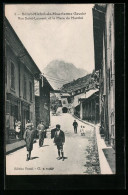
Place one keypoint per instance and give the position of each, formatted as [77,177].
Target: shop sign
[37,88]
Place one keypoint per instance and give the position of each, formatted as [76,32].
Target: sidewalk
[15,146]
[12,147]
[106,154]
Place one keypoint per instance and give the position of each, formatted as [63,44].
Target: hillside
[59,73]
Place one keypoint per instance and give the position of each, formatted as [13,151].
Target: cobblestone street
[81,155]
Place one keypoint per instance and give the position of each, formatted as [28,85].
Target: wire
[55,78]
[56,81]
[59,81]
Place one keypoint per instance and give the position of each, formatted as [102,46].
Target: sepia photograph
[60,89]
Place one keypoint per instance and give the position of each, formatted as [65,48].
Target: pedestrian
[41,132]
[18,127]
[75,124]
[29,138]
[27,124]
[82,131]
[59,140]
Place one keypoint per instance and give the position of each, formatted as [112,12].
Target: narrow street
[81,156]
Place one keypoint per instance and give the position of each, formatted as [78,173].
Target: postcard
[60,89]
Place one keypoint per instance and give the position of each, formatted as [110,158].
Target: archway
[64,110]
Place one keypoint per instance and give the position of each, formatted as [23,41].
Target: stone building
[65,102]
[79,89]
[20,71]
[103,21]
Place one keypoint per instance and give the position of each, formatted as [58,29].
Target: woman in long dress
[29,138]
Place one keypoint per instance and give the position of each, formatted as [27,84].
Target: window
[112,125]
[7,106]
[30,89]
[25,87]
[109,80]
[111,64]
[12,76]
[12,109]
[64,102]
[69,100]
[110,31]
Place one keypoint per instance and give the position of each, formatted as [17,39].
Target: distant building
[89,106]
[104,46]
[65,102]
[78,89]
[20,71]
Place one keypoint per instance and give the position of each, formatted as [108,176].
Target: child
[82,131]
[18,125]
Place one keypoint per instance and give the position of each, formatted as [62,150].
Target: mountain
[59,72]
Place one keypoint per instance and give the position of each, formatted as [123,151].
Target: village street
[81,156]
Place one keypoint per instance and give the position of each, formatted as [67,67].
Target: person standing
[29,138]
[82,131]
[18,127]
[75,125]
[59,140]
[41,131]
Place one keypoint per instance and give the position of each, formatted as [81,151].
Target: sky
[48,39]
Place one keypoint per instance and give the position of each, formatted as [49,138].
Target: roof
[80,82]
[76,84]
[65,94]
[89,93]
[18,48]
[47,83]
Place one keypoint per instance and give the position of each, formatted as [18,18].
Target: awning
[89,93]
[65,94]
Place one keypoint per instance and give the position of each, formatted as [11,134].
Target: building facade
[103,21]
[79,90]
[20,72]
[89,106]
[42,102]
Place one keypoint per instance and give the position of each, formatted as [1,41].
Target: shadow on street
[32,158]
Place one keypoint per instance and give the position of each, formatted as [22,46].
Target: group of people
[82,128]
[57,134]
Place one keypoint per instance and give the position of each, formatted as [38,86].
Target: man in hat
[59,139]
[75,125]
[41,131]
[29,138]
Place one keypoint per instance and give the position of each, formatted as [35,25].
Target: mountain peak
[59,72]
